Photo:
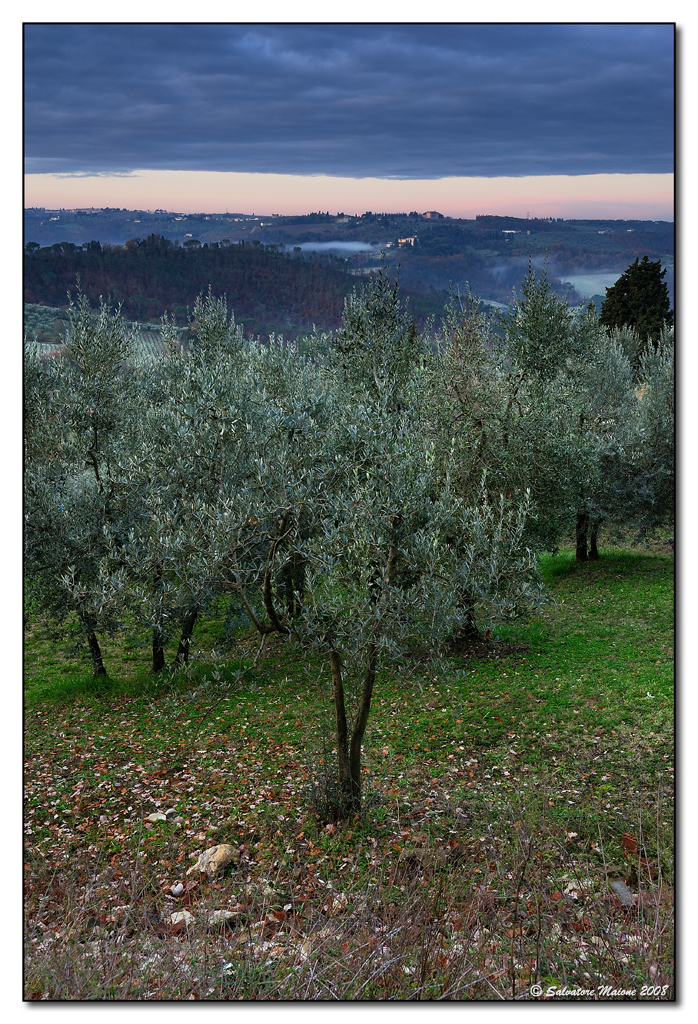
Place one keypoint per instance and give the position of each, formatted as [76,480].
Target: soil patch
[494,650]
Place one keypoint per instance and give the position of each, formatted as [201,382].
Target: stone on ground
[212,861]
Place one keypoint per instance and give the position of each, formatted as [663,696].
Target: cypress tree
[639,300]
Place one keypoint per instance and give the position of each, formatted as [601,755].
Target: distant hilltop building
[407,241]
[433,215]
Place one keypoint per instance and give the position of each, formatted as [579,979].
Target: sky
[555,119]
[622,196]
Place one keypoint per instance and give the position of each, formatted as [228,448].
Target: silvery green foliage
[576,386]
[467,395]
[230,444]
[638,474]
[396,562]
[377,347]
[543,334]
[312,489]
[195,431]
[78,427]
[78,430]
[397,543]
[631,343]
[506,413]
[292,483]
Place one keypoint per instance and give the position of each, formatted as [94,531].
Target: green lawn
[531,767]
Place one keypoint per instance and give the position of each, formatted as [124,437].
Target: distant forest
[150,277]
[268,289]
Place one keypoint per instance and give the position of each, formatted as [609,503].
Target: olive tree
[199,428]
[389,546]
[578,383]
[222,462]
[638,474]
[78,428]
[397,550]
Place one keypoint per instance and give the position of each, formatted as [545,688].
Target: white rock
[182,915]
[156,816]
[177,889]
[171,812]
[213,860]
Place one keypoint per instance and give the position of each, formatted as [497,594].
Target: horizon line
[353,216]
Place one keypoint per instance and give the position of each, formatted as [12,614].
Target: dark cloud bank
[408,101]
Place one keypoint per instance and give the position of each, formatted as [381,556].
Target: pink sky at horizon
[591,196]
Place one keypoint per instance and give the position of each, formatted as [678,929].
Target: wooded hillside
[269,289]
[153,277]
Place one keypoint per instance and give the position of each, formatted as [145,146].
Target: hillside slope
[268,289]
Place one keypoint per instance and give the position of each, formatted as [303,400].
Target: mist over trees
[382,494]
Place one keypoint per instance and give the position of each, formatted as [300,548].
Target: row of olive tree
[375,497]
[550,401]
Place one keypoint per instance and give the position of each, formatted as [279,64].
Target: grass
[522,786]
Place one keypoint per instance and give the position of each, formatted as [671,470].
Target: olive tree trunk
[158,649]
[98,668]
[593,537]
[182,656]
[468,630]
[158,632]
[349,748]
[581,536]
